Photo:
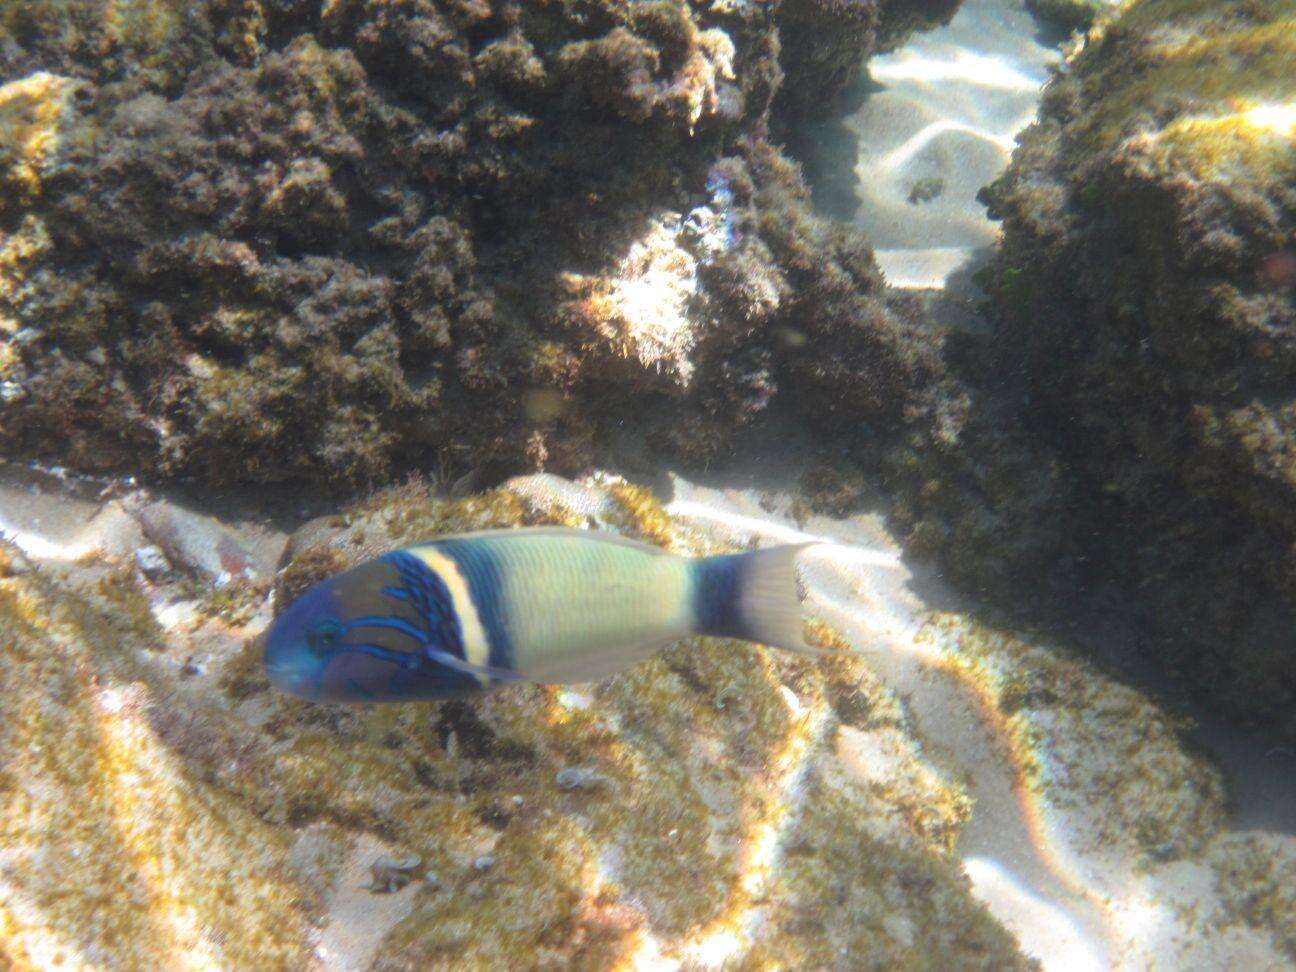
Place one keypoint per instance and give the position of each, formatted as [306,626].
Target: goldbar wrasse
[464,614]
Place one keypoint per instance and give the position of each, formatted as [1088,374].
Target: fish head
[360,636]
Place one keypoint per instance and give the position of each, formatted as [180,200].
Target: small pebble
[580,778]
[484,863]
[517,801]
[392,873]
[152,562]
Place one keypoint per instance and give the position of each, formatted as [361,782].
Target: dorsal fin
[600,536]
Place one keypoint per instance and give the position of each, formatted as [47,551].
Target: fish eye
[323,636]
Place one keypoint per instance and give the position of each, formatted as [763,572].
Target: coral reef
[1124,438]
[241,243]
[711,820]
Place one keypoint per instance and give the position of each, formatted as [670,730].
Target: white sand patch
[359,919]
[1046,932]
[51,526]
[925,268]
[951,104]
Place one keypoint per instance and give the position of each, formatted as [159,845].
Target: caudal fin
[752,596]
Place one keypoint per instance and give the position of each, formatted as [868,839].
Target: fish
[462,615]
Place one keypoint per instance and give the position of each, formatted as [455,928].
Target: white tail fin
[753,596]
[768,606]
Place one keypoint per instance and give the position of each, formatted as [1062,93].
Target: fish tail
[753,596]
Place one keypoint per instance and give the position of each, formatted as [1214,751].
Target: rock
[12,561]
[1069,15]
[579,778]
[749,783]
[393,873]
[1122,438]
[195,542]
[33,112]
[230,783]
[57,519]
[152,562]
[323,297]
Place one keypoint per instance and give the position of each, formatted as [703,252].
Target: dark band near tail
[752,596]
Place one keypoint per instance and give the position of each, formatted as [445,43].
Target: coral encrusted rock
[245,241]
[1129,431]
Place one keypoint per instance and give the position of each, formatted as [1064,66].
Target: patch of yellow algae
[17,252]
[408,514]
[32,111]
[1255,138]
[115,854]
[121,590]
[145,28]
[694,766]
[640,514]
[710,820]
[1218,62]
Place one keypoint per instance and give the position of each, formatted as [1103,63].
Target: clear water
[403,324]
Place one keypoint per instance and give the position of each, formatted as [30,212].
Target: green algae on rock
[1128,428]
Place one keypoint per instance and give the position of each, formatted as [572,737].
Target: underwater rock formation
[825,44]
[245,241]
[1127,433]
[1070,14]
[155,813]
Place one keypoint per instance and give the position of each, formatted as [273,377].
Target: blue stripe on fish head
[482,570]
[363,635]
[429,599]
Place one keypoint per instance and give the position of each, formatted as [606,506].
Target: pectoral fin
[468,668]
